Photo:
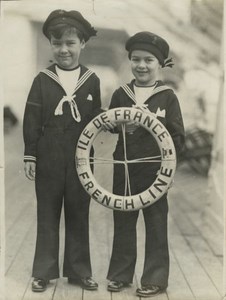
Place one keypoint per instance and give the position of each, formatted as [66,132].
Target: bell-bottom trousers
[57,186]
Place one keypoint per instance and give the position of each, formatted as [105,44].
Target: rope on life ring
[165,174]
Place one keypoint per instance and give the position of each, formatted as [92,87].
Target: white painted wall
[18,60]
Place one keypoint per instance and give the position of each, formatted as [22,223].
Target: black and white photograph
[112,150]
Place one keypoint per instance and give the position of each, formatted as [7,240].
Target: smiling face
[145,67]
[66,50]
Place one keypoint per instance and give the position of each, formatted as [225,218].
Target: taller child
[62,100]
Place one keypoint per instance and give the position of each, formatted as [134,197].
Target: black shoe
[87,283]
[116,286]
[39,285]
[149,291]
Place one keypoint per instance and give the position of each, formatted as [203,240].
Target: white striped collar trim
[80,81]
[160,89]
[129,92]
[52,75]
[132,96]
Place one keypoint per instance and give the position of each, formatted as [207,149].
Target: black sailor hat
[71,17]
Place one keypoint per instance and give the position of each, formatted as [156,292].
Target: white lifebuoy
[165,174]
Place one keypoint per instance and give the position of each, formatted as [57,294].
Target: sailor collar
[84,75]
[129,90]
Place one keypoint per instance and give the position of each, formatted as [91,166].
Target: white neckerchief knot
[74,108]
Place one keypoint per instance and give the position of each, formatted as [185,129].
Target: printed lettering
[106,199]
[97,123]
[127,114]
[153,129]
[117,114]
[95,194]
[84,175]
[164,152]
[137,117]
[129,203]
[159,184]
[147,121]
[80,147]
[152,194]
[166,172]
[142,201]
[162,135]
[104,117]
[84,143]
[116,205]
[87,134]
[89,185]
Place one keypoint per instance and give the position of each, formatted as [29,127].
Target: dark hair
[59,29]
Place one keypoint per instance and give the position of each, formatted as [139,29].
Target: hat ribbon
[168,62]
[74,108]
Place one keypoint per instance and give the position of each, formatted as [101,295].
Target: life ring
[165,174]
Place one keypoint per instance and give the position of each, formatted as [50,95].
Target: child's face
[145,67]
[66,50]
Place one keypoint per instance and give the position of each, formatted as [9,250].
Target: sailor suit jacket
[164,104]
[44,97]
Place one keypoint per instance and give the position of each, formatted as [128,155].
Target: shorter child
[62,100]
[148,53]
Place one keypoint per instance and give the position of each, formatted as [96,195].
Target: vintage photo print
[112,150]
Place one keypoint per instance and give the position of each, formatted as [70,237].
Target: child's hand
[29,169]
[131,127]
[108,126]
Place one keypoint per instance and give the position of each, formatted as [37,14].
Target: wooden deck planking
[15,210]
[19,273]
[100,294]
[199,282]
[15,238]
[191,220]
[188,216]
[179,288]
[210,263]
[18,198]
[65,291]
[194,206]
[210,234]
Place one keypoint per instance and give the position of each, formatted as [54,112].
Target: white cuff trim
[29,158]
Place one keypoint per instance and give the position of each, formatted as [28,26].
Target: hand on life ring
[165,174]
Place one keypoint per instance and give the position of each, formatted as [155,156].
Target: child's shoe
[39,285]
[149,290]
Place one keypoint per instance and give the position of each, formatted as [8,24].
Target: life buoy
[165,174]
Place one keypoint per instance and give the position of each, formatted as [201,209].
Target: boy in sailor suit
[147,53]
[62,100]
